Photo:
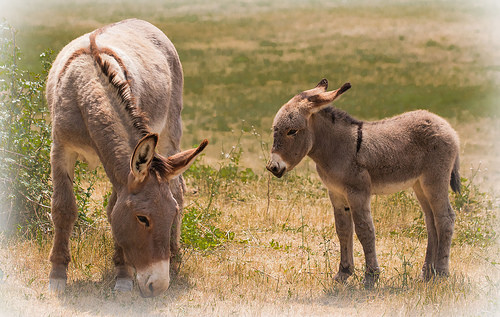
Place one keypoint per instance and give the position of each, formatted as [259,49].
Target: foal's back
[408,145]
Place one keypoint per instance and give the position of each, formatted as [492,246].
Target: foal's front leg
[64,213]
[344,229]
[365,230]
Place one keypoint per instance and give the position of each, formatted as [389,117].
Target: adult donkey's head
[292,133]
[144,211]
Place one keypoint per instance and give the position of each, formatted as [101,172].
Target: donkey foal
[357,159]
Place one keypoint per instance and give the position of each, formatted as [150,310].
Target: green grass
[242,61]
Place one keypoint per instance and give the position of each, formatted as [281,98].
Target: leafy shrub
[25,188]
[25,184]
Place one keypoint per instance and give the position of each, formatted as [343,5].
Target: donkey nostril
[150,286]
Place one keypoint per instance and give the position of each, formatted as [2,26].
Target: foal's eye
[292,132]
[144,220]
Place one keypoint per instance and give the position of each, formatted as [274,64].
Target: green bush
[25,188]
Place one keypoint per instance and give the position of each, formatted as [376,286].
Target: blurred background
[243,59]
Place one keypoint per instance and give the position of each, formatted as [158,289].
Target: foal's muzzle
[276,168]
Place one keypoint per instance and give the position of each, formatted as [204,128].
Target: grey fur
[358,159]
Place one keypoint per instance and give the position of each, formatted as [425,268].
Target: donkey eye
[144,220]
[292,132]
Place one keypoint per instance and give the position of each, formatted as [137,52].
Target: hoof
[428,275]
[370,279]
[123,285]
[341,277]
[57,285]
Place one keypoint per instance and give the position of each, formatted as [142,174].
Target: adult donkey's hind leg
[64,213]
[344,228]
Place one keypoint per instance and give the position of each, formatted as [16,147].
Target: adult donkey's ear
[143,156]
[322,100]
[181,161]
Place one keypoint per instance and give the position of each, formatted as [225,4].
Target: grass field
[264,246]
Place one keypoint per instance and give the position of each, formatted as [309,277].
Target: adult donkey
[357,159]
[115,96]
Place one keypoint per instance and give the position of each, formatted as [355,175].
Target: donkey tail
[455,176]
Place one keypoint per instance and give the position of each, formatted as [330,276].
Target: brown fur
[115,96]
[71,58]
[357,159]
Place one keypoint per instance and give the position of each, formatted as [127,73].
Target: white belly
[89,156]
[391,188]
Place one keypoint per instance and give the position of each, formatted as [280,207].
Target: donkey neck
[337,137]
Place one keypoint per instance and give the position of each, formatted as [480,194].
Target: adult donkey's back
[356,159]
[115,96]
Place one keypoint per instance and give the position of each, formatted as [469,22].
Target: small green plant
[199,230]
[279,246]
[470,195]
[83,192]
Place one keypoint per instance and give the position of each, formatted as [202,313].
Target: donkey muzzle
[276,165]
[155,279]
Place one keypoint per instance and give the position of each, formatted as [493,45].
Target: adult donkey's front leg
[64,213]
[365,230]
[124,271]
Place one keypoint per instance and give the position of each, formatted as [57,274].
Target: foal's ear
[180,162]
[323,84]
[143,156]
[322,100]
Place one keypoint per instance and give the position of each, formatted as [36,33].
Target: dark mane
[336,115]
[75,54]
[339,115]
[123,88]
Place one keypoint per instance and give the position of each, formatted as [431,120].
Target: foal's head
[292,133]
[142,217]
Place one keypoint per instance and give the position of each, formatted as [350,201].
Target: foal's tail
[455,176]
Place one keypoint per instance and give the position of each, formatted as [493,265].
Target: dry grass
[279,261]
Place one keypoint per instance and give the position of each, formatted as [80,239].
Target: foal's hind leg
[64,213]
[432,239]
[124,272]
[444,220]
[344,228]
